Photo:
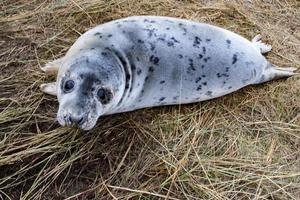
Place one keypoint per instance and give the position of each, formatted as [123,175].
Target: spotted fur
[151,61]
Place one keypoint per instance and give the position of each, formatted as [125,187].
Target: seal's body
[155,61]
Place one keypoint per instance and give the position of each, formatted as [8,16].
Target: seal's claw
[52,67]
[262,47]
[49,88]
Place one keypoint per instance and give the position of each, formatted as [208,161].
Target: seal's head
[89,85]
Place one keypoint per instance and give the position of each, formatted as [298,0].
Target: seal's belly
[178,61]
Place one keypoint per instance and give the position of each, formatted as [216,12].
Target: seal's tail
[271,72]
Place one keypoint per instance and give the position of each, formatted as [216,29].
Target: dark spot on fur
[175,98]
[199,87]
[151,69]
[209,93]
[103,53]
[200,56]
[191,66]
[170,43]
[245,81]
[140,41]
[176,41]
[137,58]
[162,82]
[234,58]
[203,76]
[224,82]
[198,79]
[229,87]
[162,98]
[168,28]
[202,66]
[109,35]
[180,56]
[147,77]
[204,50]
[92,48]
[206,59]
[154,59]
[227,69]
[197,41]
[139,71]
[152,46]
[150,32]
[133,67]
[149,21]
[219,75]
[98,33]
[204,83]
[161,39]
[208,40]
[228,42]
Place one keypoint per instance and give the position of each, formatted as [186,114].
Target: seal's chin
[88,124]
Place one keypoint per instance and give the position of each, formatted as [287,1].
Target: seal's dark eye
[69,85]
[104,95]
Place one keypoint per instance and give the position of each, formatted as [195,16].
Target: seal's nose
[77,120]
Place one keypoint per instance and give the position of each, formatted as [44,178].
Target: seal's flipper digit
[49,88]
[262,47]
[274,72]
[52,67]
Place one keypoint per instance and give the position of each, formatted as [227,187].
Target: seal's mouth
[85,121]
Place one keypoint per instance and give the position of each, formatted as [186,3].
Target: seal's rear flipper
[273,72]
[49,88]
[52,67]
[262,47]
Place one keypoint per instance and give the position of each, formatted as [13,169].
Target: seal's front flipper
[49,88]
[262,47]
[273,72]
[52,67]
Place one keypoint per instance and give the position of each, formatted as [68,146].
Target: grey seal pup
[147,61]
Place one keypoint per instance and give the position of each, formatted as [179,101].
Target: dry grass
[242,146]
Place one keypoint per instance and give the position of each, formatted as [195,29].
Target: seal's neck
[124,62]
